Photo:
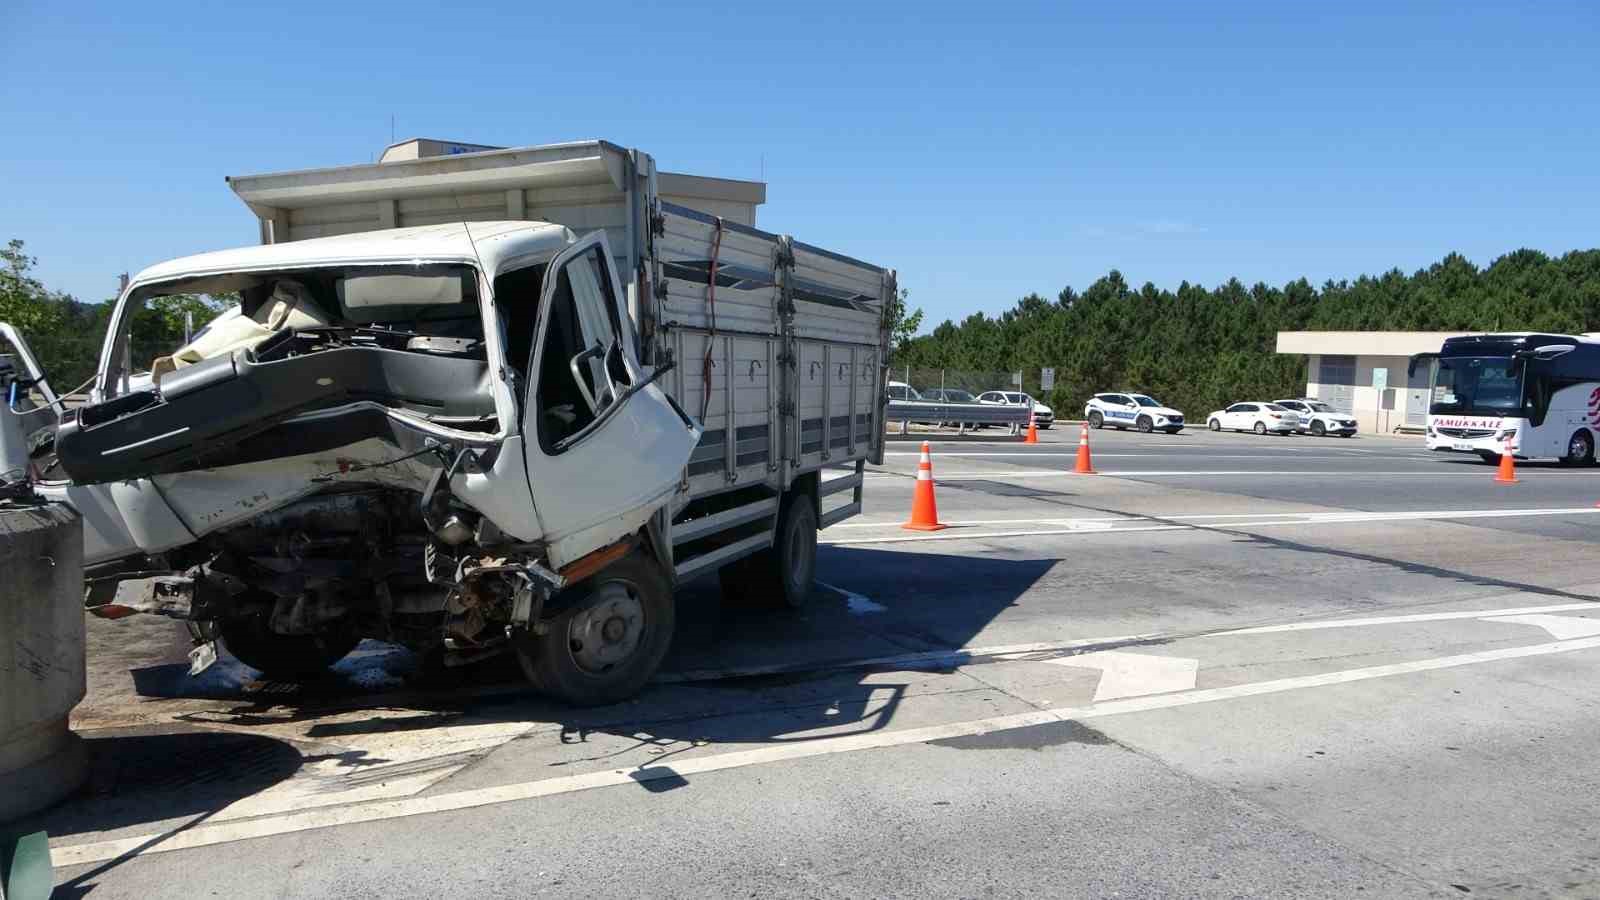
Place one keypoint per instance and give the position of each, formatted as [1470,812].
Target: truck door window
[582,318]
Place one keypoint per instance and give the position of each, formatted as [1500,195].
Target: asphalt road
[1226,666]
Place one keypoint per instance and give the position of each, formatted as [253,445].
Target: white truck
[501,400]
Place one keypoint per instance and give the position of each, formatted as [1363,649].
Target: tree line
[1194,348]
[65,333]
[1198,349]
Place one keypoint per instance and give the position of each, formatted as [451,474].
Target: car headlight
[1506,435]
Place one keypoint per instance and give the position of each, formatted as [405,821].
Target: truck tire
[604,648]
[781,576]
[285,657]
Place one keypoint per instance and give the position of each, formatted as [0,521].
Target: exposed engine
[364,561]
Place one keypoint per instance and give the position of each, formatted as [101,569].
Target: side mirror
[1551,351]
[576,366]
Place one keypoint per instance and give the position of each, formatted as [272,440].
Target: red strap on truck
[711,338]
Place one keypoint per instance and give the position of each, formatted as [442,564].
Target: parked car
[1319,418]
[1043,415]
[1126,411]
[952,395]
[1254,416]
[899,390]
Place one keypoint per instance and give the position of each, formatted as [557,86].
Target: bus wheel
[1580,449]
[1489,456]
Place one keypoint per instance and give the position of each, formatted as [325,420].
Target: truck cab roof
[496,244]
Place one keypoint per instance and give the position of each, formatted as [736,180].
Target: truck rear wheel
[287,657]
[779,577]
[606,646]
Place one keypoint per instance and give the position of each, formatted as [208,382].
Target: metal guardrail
[929,412]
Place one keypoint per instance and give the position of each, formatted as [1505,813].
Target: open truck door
[27,431]
[120,520]
[605,447]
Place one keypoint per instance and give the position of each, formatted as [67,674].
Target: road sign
[1016,378]
[1047,378]
[1380,379]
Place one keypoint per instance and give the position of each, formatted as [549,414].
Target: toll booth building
[1364,373]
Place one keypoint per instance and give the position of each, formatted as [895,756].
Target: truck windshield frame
[1462,380]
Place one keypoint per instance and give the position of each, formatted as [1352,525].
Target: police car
[1319,418]
[1131,411]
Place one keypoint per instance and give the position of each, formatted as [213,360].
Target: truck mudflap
[199,415]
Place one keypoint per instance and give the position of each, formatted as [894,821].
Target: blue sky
[984,150]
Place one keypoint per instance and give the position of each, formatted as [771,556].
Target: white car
[899,390]
[1254,416]
[1043,416]
[1319,418]
[1131,411]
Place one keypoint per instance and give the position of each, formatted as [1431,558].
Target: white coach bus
[1538,394]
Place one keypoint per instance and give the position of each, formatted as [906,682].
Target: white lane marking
[859,604]
[66,854]
[1305,520]
[1074,453]
[971,522]
[922,658]
[1561,628]
[1124,674]
[1175,473]
[1308,517]
[1485,614]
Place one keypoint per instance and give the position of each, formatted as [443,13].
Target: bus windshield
[1481,385]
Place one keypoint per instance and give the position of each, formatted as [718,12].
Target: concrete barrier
[41,655]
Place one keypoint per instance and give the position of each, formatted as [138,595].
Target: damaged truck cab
[470,438]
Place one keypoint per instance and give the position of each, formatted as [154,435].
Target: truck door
[27,428]
[605,447]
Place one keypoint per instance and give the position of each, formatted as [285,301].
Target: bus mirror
[1551,351]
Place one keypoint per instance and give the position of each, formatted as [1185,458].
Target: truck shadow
[734,676]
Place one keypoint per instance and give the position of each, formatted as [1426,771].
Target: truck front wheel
[607,645]
[781,576]
[287,657]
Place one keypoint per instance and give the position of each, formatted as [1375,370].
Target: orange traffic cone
[924,511]
[1084,466]
[1508,468]
[1033,430]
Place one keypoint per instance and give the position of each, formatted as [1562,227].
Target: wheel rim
[1260,428]
[1144,425]
[1215,425]
[1578,447]
[608,632]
